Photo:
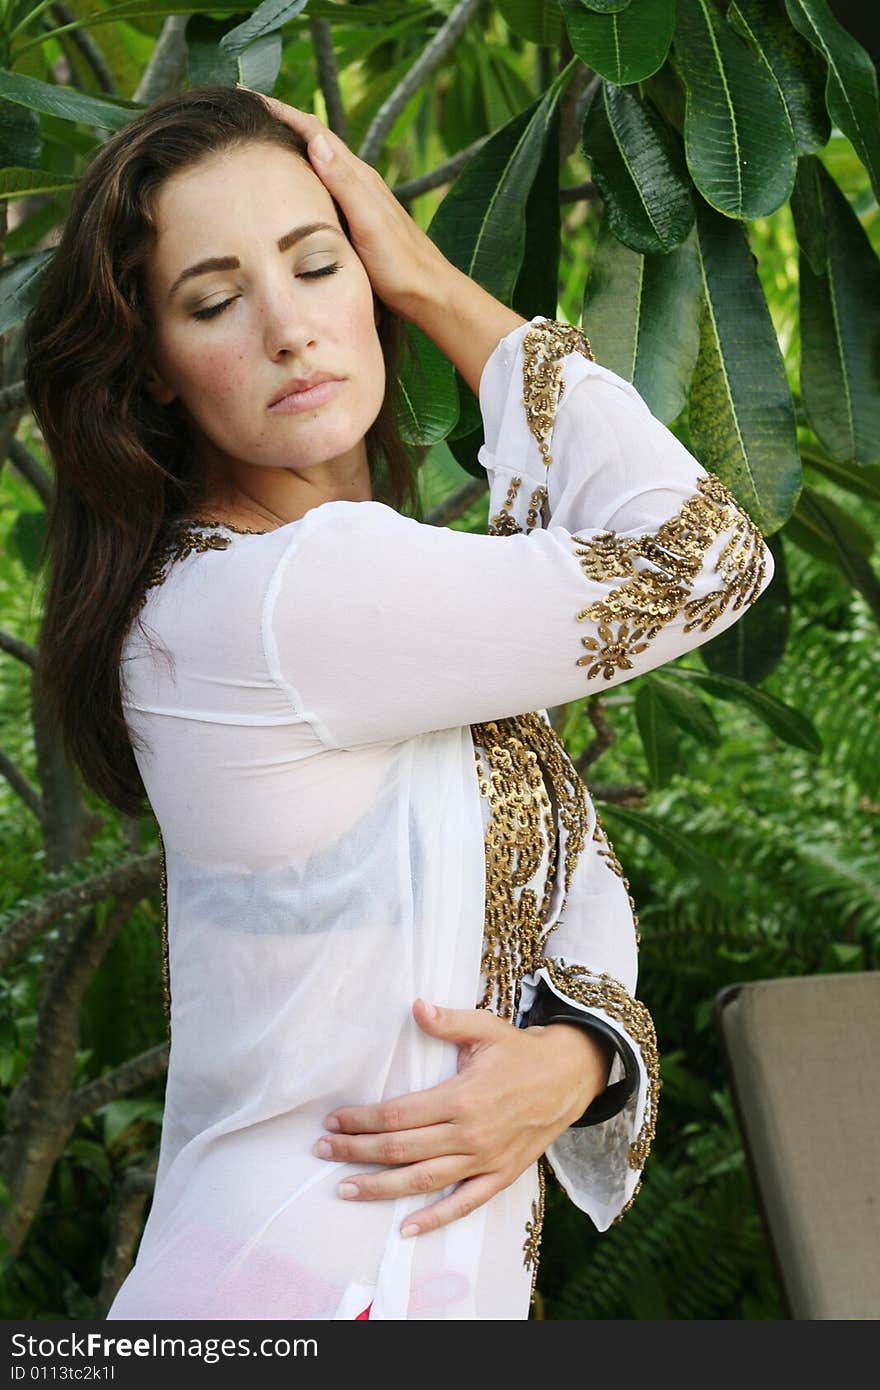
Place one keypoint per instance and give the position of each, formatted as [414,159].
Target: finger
[469,1195]
[304,123]
[438,1105]
[401,1146]
[459,1025]
[430,1176]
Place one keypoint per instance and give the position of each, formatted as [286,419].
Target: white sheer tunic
[355,810]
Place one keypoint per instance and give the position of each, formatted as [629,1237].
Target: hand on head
[400,259]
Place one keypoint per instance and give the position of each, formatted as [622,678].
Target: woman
[338,715]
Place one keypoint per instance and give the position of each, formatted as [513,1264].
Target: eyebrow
[232,262]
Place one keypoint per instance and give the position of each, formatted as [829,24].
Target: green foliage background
[791,823]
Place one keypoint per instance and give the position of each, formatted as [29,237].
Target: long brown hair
[124,469]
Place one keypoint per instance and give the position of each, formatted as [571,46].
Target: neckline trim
[197,524]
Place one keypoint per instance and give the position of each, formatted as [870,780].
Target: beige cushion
[803,1055]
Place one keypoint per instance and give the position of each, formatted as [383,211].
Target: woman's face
[227,339]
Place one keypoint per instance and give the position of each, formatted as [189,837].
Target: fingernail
[332,1123]
[323,1149]
[348,1189]
[410,1231]
[432,1009]
[320,149]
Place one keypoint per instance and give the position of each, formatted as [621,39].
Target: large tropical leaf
[30,92]
[847,541]
[638,165]
[428,399]
[691,714]
[840,320]
[625,45]
[659,735]
[642,316]
[863,482]
[678,847]
[208,60]
[21,183]
[793,65]
[738,137]
[851,90]
[538,21]
[741,416]
[19,136]
[481,224]
[19,286]
[753,647]
[787,723]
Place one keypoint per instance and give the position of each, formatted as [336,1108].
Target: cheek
[214,373]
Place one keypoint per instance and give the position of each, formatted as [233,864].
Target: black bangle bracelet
[547,1007]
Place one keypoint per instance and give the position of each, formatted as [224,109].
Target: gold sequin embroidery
[504,523]
[166,972]
[534,1227]
[651,598]
[545,346]
[176,544]
[520,753]
[606,852]
[606,993]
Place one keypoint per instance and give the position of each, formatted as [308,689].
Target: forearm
[464,320]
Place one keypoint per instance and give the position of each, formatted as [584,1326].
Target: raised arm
[384,627]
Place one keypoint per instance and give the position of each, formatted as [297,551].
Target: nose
[288,326]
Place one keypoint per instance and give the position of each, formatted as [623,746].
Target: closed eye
[305,275]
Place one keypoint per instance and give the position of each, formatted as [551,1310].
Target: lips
[301,383]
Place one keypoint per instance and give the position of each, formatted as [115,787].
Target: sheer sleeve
[589,960]
[617,555]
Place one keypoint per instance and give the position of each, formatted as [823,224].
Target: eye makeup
[216,309]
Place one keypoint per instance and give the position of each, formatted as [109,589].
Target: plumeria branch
[431,57]
[328,75]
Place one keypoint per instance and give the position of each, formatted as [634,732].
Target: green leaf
[119,1115]
[806,203]
[786,723]
[659,735]
[840,326]
[537,286]
[623,46]
[30,92]
[266,19]
[863,481]
[481,224]
[793,65]
[738,138]
[752,648]
[538,21]
[690,714]
[741,417]
[677,847]
[19,136]
[642,317]
[847,540]
[208,60]
[428,400]
[839,956]
[20,183]
[851,93]
[26,536]
[19,286]
[87,1154]
[638,165]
